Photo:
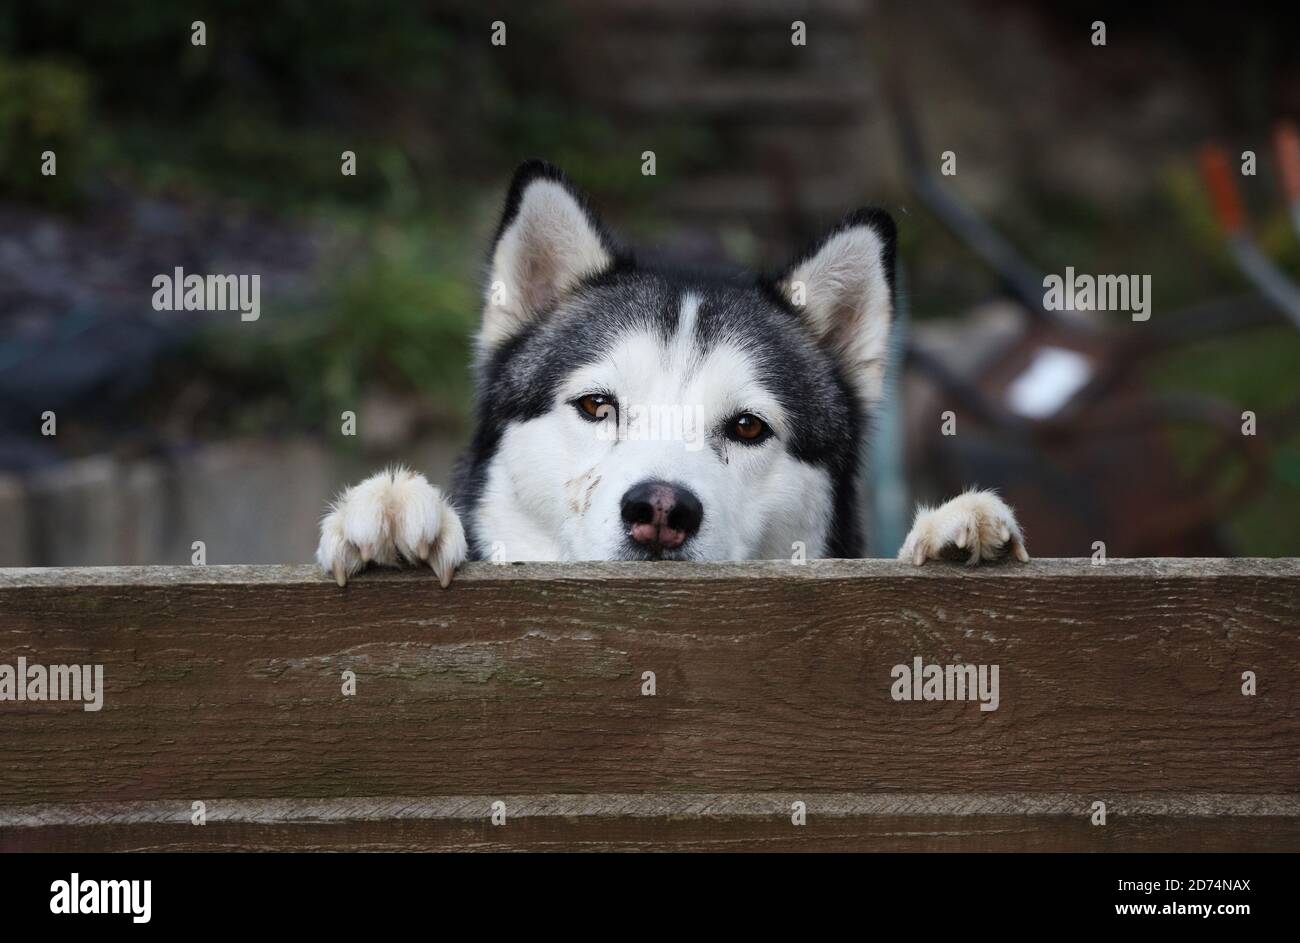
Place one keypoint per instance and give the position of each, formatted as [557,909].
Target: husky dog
[633,411]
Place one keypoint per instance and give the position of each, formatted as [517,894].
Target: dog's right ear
[547,242]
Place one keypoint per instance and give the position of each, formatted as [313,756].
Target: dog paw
[975,526]
[391,518]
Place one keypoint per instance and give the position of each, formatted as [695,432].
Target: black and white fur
[571,319]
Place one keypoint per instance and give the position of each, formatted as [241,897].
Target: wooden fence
[524,693]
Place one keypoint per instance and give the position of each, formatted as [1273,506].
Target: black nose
[660,515]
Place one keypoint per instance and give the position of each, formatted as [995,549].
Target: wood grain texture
[223,685]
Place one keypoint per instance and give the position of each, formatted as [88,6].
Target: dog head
[632,411]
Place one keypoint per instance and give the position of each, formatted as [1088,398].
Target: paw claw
[978,522]
[388,519]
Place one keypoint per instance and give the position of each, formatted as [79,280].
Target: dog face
[630,411]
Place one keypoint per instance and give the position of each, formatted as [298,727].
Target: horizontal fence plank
[748,821]
[999,833]
[1119,683]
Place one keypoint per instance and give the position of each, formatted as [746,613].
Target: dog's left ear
[843,289]
[547,242]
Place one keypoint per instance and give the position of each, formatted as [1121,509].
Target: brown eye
[747,428]
[596,406]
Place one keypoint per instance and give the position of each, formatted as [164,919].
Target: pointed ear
[548,240]
[843,290]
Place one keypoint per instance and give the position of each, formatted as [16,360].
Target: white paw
[976,526]
[391,517]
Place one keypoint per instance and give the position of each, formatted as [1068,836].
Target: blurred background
[1125,158]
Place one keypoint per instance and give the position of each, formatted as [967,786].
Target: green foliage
[259,118]
[399,318]
[406,316]
[1268,389]
[43,106]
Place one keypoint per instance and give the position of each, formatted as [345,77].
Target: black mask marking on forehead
[521,379]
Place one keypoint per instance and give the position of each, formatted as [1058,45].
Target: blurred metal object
[1022,278]
[1063,422]
[1100,467]
[1287,143]
[1253,263]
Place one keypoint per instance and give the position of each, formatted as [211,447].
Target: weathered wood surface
[523,683]
[684,822]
